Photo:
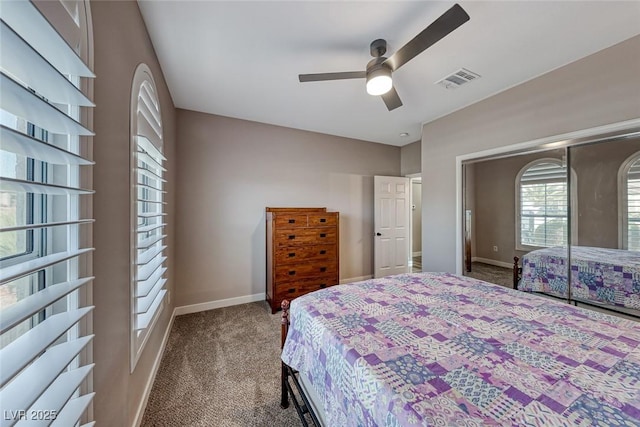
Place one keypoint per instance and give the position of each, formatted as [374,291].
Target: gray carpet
[492,274]
[221,368]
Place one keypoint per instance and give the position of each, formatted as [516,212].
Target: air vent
[457,79]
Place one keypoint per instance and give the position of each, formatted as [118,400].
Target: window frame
[31,245]
[571,200]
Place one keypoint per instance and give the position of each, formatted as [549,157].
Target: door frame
[411,177]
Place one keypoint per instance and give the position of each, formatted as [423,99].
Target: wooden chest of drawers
[302,252]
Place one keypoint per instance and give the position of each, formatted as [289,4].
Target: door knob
[378,234]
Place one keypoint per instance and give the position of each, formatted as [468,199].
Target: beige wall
[596,167]
[598,90]
[121,43]
[410,158]
[230,170]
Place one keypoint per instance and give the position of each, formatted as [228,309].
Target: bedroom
[257,165]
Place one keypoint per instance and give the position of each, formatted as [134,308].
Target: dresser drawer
[318,270]
[301,287]
[298,254]
[323,220]
[290,220]
[306,236]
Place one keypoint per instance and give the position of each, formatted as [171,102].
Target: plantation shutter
[148,210]
[150,281]
[40,80]
[633,207]
[543,205]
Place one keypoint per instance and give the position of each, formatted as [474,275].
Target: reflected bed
[605,276]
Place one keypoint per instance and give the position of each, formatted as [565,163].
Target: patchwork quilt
[608,276]
[443,350]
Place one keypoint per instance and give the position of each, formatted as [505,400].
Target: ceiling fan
[379,69]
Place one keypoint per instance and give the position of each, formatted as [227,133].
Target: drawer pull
[292,273]
[292,236]
[323,234]
[323,285]
[292,254]
[291,290]
[323,269]
[323,219]
[322,252]
[292,221]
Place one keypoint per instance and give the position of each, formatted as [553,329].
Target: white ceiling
[242,58]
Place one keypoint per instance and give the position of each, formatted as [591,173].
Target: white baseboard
[210,305]
[492,262]
[355,279]
[154,370]
[416,253]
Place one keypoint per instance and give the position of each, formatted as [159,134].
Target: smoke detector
[457,79]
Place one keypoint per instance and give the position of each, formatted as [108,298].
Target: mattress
[438,349]
[606,276]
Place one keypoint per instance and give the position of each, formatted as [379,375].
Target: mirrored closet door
[513,206]
[605,262]
[570,216]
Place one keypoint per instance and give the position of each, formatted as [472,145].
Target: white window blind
[44,109]
[633,206]
[148,210]
[543,202]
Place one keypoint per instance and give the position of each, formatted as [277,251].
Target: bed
[439,349]
[600,275]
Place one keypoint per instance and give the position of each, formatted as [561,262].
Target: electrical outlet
[495,249]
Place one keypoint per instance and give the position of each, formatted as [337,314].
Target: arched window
[147,210]
[542,204]
[629,201]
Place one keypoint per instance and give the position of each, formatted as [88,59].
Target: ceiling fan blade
[446,23]
[332,76]
[391,99]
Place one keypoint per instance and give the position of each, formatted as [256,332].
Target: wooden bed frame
[517,272]
[517,275]
[289,380]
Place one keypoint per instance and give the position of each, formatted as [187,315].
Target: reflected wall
[521,207]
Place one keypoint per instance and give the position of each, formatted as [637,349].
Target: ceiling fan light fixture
[379,81]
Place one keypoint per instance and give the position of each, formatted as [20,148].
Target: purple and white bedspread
[607,276]
[443,350]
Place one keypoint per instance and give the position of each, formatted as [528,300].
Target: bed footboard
[517,272]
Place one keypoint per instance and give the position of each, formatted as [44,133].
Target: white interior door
[391,225]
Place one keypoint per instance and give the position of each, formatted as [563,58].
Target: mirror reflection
[570,217]
[605,262]
[514,206]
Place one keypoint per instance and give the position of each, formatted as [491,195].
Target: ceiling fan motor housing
[378,66]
